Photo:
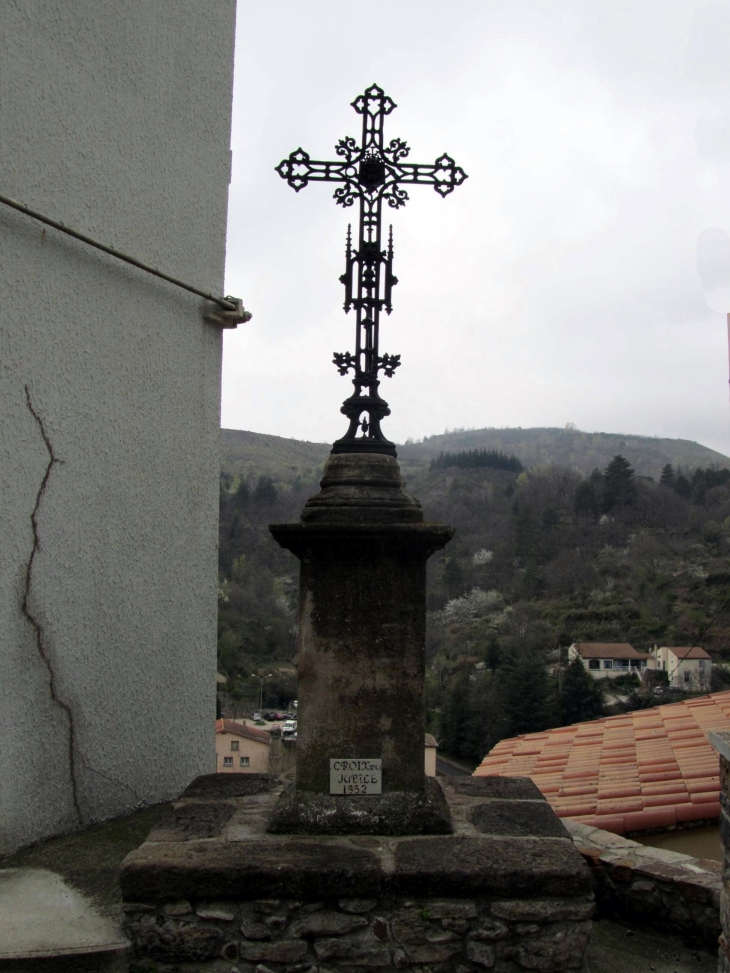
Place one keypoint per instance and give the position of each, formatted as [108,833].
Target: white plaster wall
[114,118]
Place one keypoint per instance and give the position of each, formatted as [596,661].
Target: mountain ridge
[246,453]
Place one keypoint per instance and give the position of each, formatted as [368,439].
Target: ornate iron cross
[371,172]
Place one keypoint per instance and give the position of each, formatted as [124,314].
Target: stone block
[480,953]
[283,951]
[530,818]
[505,788]
[215,913]
[357,906]
[544,910]
[219,870]
[489,929]
[490,866]
[180,908]
[326,924]
[451,909]
[178,941]
[357,950]
[433,952]
[409,928]
[187,822]
[393,813]
[557,947]
[255,930]
[217,787]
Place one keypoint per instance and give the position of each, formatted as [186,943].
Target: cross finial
[371,172]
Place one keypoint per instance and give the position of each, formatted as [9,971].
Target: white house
[607,660]
[115,121]
[688,667]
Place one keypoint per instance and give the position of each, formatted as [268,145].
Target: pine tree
[585,501]
[580,697]
[526,693]
[242,494]
[682,486]
[453,724]
[667,477]
[619,486]
[265,491]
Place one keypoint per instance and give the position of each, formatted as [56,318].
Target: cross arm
[298,170]
[444,175]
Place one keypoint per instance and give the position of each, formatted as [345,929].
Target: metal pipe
[222,302]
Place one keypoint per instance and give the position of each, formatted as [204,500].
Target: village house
[687,667]
[607,660]
[241,749]
[431,746]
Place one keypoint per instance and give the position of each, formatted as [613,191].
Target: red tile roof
[687,652]
[608,650]
[648,769]
[241,730]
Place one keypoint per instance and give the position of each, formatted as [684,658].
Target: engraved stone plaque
[356,776]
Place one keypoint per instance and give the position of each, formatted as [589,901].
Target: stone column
[721,742]
[363,549]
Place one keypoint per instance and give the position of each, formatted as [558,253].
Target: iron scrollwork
[371,172]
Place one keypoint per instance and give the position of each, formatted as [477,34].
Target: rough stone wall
[721,742]
[652,886]
[460,935]
[115,119]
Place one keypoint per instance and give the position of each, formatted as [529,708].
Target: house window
[244,761]
[608,663]
[594,663]
[687,675]
[622,663]
[234,744]
[702,663]
[228,761]
[636,663]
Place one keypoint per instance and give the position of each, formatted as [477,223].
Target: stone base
[506,892]
[397,813]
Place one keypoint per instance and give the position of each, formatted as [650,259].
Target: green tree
[580,696]
[265,491]
[619,486]
[453,576]
[454,723]
[667,477]
[682,486]
[242,494]
[526,693]
[585,500]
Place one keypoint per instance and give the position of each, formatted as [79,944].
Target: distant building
[688,667]
[241,749]
[431,746]
[607,660]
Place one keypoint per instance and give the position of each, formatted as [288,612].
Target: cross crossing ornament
[372,173]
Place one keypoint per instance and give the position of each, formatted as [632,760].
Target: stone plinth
[363,549]
[506,892]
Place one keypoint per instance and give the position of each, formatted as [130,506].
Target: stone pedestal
[363,549]
[213,890]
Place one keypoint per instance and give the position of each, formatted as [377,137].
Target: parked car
[279,716]
[270,716]
[256,717]
[289,728]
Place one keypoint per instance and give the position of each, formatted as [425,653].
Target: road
[448,769]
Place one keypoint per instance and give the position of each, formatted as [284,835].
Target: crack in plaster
[53,460]
[73,751]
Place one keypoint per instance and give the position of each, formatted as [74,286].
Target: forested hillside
[542,556]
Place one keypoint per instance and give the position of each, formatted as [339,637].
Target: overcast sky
[558,284]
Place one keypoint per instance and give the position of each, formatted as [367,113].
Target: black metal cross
[371,172]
